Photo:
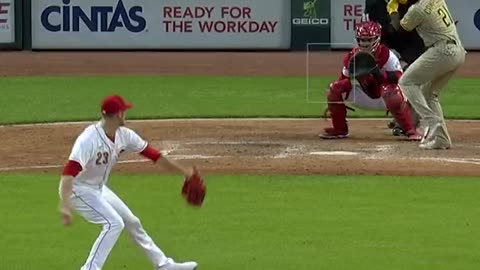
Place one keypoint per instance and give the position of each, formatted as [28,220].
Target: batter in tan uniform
[430,73]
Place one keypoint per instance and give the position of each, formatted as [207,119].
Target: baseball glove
[363,64]
[194,189]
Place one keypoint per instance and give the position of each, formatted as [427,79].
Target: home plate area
[257,146]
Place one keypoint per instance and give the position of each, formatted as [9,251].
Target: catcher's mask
[368,35]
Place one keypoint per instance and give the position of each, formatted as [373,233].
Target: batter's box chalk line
[290,151]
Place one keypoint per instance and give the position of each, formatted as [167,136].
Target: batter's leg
[95,209]
[431,94]
[454,58]
[424,70]
[136,230]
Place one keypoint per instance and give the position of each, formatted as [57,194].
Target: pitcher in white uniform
[83,186]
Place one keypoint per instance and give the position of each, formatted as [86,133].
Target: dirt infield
[259,146]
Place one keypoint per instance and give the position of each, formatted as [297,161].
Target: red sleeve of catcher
[72,168]
[151,153]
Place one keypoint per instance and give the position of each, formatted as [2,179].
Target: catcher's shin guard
[337,108]
[399,108]
[338,111]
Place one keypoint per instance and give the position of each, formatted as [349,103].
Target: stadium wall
[196,24]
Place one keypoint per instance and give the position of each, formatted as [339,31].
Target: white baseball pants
[105,208]
[426,78]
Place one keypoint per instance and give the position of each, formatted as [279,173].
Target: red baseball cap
[114,104]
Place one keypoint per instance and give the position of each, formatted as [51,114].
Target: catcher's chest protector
[361,67]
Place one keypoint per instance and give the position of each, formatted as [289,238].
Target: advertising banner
[151,24]
[345,15]
[7,21]
[310,24]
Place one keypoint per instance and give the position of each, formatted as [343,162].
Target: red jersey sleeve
[72,168]
[151,153]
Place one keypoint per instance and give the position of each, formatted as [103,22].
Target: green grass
[259,222]
[47,99]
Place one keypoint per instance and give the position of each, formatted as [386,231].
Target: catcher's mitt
[194,189]
[362,64]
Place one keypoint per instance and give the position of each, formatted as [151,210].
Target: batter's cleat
[435,144]
[332,134]
[426,135]
[432,141]
[179,266]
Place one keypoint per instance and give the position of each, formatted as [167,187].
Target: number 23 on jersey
[102,158]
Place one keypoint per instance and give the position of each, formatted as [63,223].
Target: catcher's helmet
[368,35]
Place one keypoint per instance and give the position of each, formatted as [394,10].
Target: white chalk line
[287,152]
[210,120]
[171,147]
[20,168]
[440,160]
[334,153]
[174,157]
[216,142]
[472,161]
[290,151]
[385,150]
[279,156]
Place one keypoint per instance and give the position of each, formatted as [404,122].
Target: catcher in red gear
[377,89]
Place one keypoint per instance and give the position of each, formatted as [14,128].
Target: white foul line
[176,157]
[474,161]
[29,168]
[210,119]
